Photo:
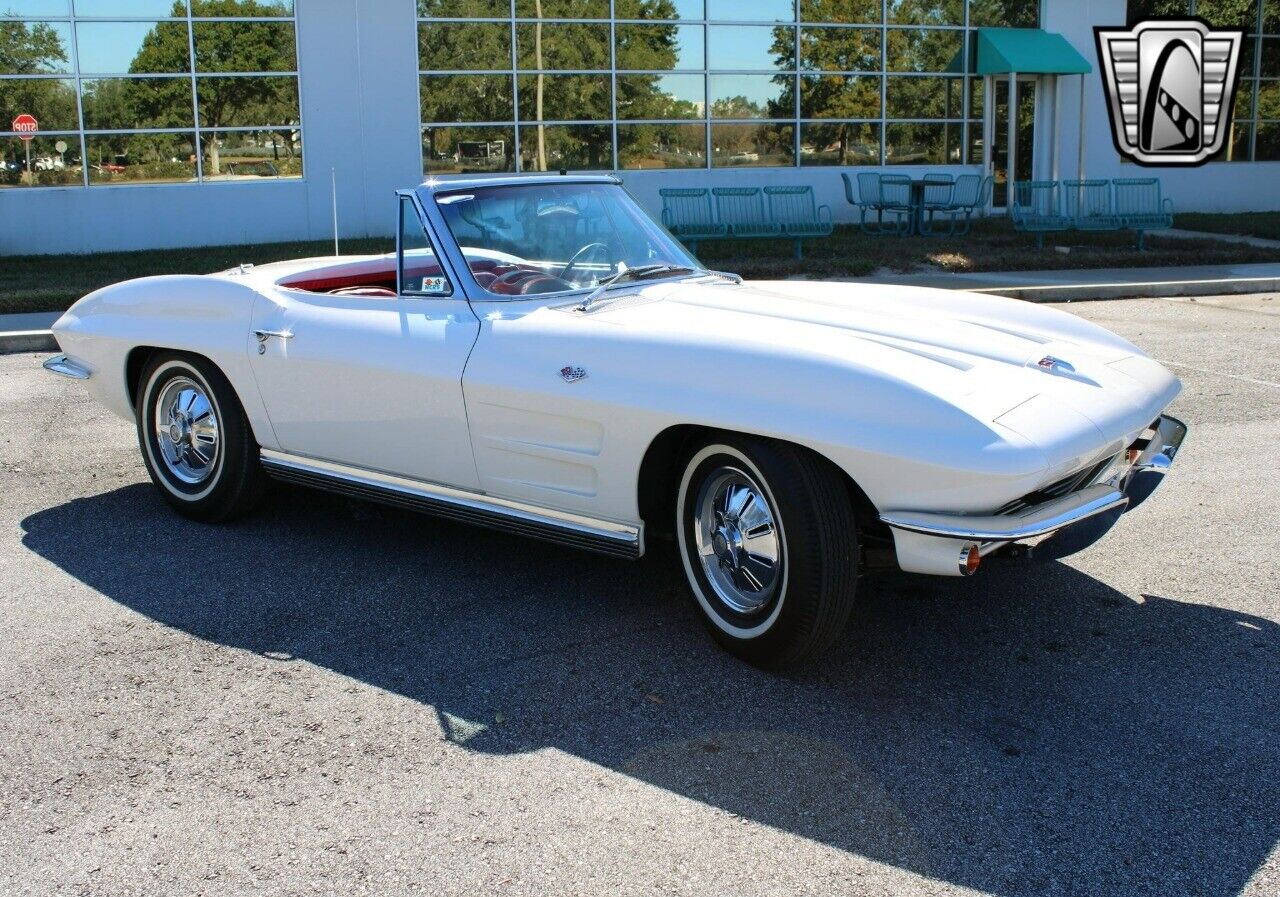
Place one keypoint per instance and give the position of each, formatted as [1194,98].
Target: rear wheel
[196,441]
[768,541]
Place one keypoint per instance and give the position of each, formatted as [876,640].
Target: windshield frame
[471,288]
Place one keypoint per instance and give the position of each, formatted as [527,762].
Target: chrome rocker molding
[61,364]
[602,536]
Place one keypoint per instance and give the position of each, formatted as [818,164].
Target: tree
[31,49]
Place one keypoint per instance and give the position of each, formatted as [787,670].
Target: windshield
[527,239]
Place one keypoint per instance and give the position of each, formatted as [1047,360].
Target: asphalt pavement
[334,698]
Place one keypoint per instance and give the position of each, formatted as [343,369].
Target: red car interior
[377,278]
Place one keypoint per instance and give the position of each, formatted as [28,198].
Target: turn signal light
[970,558]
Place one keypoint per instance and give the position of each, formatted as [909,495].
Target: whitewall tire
[768,542]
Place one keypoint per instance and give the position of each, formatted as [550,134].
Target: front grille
[1071,483]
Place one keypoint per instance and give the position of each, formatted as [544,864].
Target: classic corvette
[540,355]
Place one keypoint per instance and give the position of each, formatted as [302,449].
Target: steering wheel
[563,275]
[516,280]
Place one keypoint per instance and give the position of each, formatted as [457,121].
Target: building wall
[360,118]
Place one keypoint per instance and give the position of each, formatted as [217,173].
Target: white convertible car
[539,355]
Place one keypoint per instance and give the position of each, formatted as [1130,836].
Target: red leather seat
[362,291]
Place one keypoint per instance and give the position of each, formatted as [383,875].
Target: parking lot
[331,697]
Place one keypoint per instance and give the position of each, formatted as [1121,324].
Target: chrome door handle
[262,335]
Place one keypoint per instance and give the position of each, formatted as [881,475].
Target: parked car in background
[539,355]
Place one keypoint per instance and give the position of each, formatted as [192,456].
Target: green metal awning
[1029,51]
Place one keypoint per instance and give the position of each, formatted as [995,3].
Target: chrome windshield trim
[565,527]
[1038,521]
[66,367]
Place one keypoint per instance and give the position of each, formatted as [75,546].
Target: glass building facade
[148,91]
[1255,130]
[541,85]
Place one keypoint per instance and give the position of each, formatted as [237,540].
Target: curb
[27,341]
[1156,289]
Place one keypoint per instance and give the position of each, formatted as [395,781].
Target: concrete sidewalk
[1102,283]
[30,332]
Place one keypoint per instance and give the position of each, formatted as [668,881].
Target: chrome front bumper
[931,542]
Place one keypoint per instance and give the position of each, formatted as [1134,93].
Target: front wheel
[196,441]
[768,541]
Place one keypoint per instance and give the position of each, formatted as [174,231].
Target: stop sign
[25,125]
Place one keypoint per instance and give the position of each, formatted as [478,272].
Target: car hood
[1048,375]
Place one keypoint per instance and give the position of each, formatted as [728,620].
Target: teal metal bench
[689,215]
[1088,205]
[798,213]
[742,211]
[1139,206]
[871,198]
[1036,209]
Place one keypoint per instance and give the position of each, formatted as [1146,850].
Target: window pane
[1268,149]
[247,101]
[146,9]
[141,158]
[658,9]
[908,97]
[752,145]
[1236,149]
[51,100]
[662,146]
[853,12]
[237,8]
[35,8]
[251,155]
[447,98]
[753,11]
[659,47]
[925,50]
[565,47]
[840,49]
[572,147]
[918,143]
[48,167]
[1229,13]
[32,48]
[244,47]
[467,150]
[752,96]
[751,47]
[1244,98]
[444,46]
[935,12]
[976,96]
[113,104]
[840,96]
[1004,13]
[143,48]
[1271,16]
[480,9]
[661,96]
[975,143]
[1150,9]
[563,9]
[840,143]
[1270,51]
[565,97]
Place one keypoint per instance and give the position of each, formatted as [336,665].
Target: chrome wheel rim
[736,536]
[186,428]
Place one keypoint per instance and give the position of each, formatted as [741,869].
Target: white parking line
[1191,367]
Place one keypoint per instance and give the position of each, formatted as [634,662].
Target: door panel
[1024,135]
[369,381]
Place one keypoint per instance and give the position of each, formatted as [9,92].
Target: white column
[1080,138]
[1056,80]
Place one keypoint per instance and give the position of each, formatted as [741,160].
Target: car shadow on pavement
[1027,731]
